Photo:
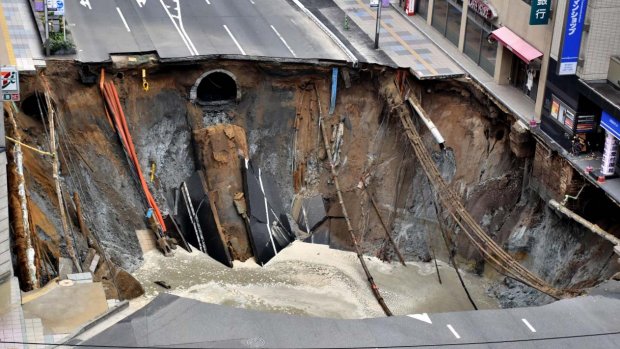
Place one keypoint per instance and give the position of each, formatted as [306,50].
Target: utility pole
[378,25]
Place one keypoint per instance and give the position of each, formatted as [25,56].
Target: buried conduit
[373,285]
[116,116]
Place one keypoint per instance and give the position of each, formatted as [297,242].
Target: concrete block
[65,266]
[87,277]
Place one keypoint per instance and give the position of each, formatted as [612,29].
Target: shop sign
[539,13]
[610,124]
[562,112]
[483,8]
[10,84]
[571,38]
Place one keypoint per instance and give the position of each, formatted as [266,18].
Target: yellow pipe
[29,147]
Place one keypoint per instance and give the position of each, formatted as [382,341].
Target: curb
[329,33]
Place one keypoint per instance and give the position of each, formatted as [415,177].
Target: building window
[447,18]
[477,46]
[422,8]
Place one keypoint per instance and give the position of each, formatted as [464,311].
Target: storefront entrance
[525,76]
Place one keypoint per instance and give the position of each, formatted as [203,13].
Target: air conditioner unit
[614,71]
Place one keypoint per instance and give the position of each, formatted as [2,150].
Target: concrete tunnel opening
[215,87]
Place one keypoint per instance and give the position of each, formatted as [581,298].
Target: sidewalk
[411,42]
[403,43]
[21,41]
[514,101]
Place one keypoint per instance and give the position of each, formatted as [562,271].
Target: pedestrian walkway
[401,41]
[21,42]
[511,98]
[410,42]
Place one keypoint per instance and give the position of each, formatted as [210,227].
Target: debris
[309,212]
[163,284]
[337,134]
[220,152]
[174,231]
[270,231]
[199,222]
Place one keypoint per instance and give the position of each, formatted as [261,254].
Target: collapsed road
[234,160]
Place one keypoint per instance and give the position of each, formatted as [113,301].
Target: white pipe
[428,122]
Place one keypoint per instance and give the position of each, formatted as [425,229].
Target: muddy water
[306,279]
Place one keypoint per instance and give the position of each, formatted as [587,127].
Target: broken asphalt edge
[94,322]
[329,33]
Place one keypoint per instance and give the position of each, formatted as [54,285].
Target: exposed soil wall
[279,108]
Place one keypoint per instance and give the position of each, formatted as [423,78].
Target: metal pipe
[592,227]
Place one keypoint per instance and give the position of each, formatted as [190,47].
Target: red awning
[515,44]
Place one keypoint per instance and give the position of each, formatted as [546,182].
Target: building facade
[497,36]
[581,107]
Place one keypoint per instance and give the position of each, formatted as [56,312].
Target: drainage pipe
[592,227]
[427,122]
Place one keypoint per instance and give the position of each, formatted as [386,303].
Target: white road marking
[252,1]
[453,331]
[123,18]
[528,325]
[208,2]
[235,40]
[86,3]
[141,2]
[284,41]
[422,317]
[190,46]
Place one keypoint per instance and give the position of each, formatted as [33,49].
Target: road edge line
[329,33]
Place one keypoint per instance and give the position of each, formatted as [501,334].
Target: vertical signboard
[10,84]
[539,14]
[571,37]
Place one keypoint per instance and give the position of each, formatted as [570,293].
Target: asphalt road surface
[178,29]
[170,321]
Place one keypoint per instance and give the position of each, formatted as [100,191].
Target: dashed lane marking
[208,2]
[123,18]
[453,331]
[528,325]
[235,40]
[284,41]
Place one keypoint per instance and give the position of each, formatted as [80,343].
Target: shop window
[477,46]
[422,9]
[447,18]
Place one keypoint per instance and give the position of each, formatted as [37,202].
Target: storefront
[447,18]
[477,45]
[421,8]
[568,116]
[525,61]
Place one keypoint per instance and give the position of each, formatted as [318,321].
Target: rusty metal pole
[385,228]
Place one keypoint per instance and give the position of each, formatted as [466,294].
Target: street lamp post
[378,25]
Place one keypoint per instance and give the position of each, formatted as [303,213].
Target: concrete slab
[64,309]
